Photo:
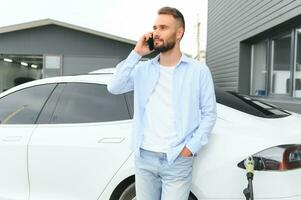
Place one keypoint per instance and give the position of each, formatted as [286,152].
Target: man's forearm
[122,80]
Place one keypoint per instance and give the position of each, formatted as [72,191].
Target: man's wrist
[134,56]
[138,52]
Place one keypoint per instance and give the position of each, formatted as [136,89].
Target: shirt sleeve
[123,78]
[208,112]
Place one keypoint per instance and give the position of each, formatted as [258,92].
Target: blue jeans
[157,180]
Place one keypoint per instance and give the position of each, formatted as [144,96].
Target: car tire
[130,193]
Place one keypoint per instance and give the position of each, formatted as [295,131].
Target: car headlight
[279,158]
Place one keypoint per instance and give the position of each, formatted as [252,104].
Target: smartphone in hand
[150,43]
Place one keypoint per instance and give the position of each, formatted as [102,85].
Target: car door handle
[111,140]
[12,138]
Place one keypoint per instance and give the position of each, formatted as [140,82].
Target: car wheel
[130,193]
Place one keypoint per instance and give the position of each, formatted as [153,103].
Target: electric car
[67,138]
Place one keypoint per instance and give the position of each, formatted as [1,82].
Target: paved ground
[292,108]
[293,105]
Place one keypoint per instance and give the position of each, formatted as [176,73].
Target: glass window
[297,91]
[259,69]
[249,105]
[53,65]
[83,103]
[48,109]
[281,65]
[130,101]
[24,106]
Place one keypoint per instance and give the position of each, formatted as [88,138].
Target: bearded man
[174,109]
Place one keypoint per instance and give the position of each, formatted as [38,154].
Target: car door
[80,143]
[18,113]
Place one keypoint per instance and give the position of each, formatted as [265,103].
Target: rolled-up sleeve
[123,78]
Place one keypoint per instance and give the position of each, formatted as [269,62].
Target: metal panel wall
[81,52]
[82,65]
[232,21]
[54,39]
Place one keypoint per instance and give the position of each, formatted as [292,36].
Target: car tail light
[279,158]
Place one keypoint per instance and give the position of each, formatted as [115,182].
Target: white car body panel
[13,156]
[127,170]
[83,157]
[252,134]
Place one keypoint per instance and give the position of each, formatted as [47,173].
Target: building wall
[53,39]
[230,24]
[78,51]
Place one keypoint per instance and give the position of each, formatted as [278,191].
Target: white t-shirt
[160,127]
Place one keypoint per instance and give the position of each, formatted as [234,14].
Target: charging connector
[249,165]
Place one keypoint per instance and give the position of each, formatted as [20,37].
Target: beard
[166,45]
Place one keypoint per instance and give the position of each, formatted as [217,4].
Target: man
[174,109]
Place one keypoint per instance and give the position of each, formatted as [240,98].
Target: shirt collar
[183,58]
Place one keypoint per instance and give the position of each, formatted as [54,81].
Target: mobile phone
[150,43]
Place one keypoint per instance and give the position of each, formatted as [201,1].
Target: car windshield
[249,105]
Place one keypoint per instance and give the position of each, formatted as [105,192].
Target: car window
[85,102]
[130,100]
[24,106]
[48,109]
[249,105]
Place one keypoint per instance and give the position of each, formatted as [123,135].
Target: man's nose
[156,34]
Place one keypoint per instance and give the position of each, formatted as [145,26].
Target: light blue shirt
[193,97]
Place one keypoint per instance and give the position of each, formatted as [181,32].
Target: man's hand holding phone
[145,45]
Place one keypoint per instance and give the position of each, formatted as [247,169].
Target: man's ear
[180,33]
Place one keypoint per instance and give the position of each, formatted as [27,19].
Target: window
[281,65]
[130,101]
[53,65]
[83,103]
[276,65]
[297,86]
[259,69]
[24,106]
[48,109]
[249,105]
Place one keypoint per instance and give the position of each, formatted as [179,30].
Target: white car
[67,138]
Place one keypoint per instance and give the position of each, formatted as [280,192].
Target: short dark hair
[175,13]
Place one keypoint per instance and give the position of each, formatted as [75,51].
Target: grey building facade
[48,48]
[254,47]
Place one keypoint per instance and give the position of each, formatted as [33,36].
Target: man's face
[165,32]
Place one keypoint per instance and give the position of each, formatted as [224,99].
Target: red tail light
[291,158]
[281,158]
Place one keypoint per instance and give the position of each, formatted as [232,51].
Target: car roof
[99,78]
[104,71]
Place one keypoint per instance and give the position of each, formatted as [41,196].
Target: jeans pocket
[191,156]
[185,160]
[185,157]
[181,168]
